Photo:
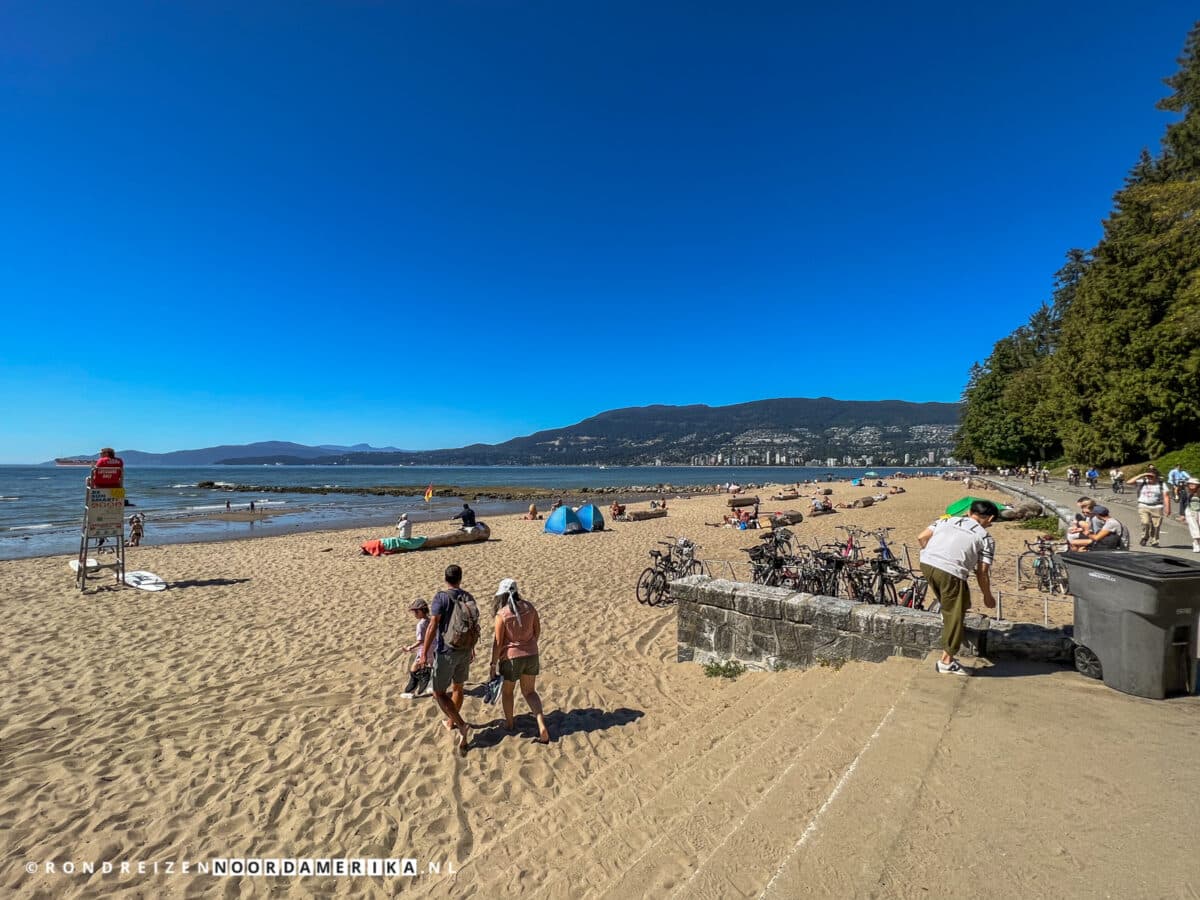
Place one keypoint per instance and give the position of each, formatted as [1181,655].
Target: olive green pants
[954,595]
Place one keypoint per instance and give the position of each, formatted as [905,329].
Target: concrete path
[1174,539]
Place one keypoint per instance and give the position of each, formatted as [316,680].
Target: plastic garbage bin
[1138,614]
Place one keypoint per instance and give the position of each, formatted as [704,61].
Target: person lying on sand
[516,629]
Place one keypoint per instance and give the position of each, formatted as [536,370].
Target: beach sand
[253,709]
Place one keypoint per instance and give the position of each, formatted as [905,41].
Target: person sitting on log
[617,509]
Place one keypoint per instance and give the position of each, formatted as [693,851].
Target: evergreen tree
[1111,367]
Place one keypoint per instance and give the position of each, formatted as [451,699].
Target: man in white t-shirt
[1154,501]
[404,526]
[951,550]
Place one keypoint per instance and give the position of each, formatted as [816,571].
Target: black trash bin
[1138,614]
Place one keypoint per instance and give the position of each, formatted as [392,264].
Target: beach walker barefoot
[515,653]
[450,641]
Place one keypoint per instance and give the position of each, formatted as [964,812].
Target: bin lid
[1136,565]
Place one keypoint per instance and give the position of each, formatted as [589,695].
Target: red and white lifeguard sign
[105,512]
[108,472]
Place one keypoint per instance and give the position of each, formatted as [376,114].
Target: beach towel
[399,544]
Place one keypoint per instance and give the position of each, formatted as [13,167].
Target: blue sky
[428,224]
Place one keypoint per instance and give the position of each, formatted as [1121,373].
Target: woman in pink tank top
[515,653]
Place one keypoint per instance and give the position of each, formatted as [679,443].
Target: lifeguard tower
[103,520]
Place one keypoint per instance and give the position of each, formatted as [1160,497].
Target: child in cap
[418,677]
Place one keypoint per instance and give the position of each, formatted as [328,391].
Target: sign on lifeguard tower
[105,512]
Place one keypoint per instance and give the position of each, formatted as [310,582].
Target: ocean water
[41,507]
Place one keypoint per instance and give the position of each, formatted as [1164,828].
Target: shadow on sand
[1020,668]
[559,722]
[205,582]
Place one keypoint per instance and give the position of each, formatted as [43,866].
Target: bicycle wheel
[660,589]
[848,584]
[884,590]
[1041,574]
[697,567]
[1058,576]
[643,586]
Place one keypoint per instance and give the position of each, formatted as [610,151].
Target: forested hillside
[1109,368]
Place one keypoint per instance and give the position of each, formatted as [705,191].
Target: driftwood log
[640,515]
[735,502]
[787,495]
[450,539]
[791,517]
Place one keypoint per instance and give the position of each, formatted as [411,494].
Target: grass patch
[1186,457]
[1047,524]
[835,663]
[730,669]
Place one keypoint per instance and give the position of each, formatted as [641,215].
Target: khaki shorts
[449,668]
[513,669]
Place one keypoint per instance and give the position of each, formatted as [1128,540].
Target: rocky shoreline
[492,492]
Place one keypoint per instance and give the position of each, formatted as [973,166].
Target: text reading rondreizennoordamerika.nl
[252,867]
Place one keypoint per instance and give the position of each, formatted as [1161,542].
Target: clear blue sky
[427,224]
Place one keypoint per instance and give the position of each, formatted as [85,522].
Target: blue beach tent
[591,518]
[564,521]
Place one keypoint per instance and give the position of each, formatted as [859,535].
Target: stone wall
[769,628]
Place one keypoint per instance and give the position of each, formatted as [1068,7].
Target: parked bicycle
[680,560]
[1041,566]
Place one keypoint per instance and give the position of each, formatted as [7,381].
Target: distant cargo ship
[73,462]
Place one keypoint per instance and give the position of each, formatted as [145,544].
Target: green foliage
[1109,370]
[1046,524]
[834,663]
[1187,458]
[730,669]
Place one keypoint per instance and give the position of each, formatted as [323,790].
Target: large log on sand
[791,517]
[640,515]
[474,536]
[786,495]
[735,502]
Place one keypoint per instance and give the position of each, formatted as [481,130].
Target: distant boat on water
[65,461]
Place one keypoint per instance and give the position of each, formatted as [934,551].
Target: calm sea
[41,507]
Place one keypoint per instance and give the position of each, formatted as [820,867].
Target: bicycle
[654,584]
[875,580]
[1040,565]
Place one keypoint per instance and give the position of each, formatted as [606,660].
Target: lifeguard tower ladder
[103,521]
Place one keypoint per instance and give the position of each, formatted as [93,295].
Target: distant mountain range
[790,431]
[208,456]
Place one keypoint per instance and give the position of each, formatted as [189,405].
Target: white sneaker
[950,668]
[428,692]
[407,695]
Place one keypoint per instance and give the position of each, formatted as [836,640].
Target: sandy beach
[253,709]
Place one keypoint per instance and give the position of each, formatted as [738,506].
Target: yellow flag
[428,492]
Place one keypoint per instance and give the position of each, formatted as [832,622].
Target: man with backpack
[454,626]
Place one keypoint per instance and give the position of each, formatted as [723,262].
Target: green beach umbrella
[963,506]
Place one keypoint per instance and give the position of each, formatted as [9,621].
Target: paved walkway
[1173,538]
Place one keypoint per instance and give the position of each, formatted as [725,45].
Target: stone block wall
[768,628]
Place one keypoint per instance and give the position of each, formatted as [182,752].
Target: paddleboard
[146,581]
[91,564]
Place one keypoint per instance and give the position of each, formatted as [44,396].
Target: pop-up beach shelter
[564,521]
[591,518]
